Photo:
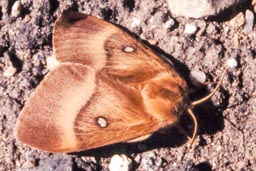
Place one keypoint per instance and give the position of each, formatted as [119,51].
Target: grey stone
[249,18]
[197,78]
[199,8]
[58,162]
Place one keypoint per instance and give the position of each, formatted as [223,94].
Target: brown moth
[107,88]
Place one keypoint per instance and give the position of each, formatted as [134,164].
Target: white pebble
[9,71]
[226,29]
[249,18]
[238,20]
[16,9]
[232,63]
[190,29]
[219,148]
[120,163]
[149,160]
[28,165]
[197,77]
[169,24]
[135,22]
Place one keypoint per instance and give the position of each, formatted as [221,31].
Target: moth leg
[138,139]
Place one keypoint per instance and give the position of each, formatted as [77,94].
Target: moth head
[170,96]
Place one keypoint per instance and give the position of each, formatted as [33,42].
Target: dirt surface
[227,123]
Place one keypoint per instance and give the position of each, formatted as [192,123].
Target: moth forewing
[91,41]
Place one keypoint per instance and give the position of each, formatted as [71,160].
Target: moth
[107,88]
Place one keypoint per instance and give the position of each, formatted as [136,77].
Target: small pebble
[9,71]
[190,29]
[169,24]
[249,18]
[219,148]
[137,159]
[238,20]
[153,41]
[120,163]
[148,161]
[226,29]
[232,63]
[87,158]
[28,165]
[197,78]
[202,27]
[135,22]
[16,9]
[27,18]
[30,156]
[211,28]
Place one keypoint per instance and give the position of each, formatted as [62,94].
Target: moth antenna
[192,115]
[192,139]
[194,103]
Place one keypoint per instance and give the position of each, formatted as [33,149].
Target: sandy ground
[227,123]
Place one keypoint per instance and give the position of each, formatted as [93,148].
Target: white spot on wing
[102,122]
[129,49]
